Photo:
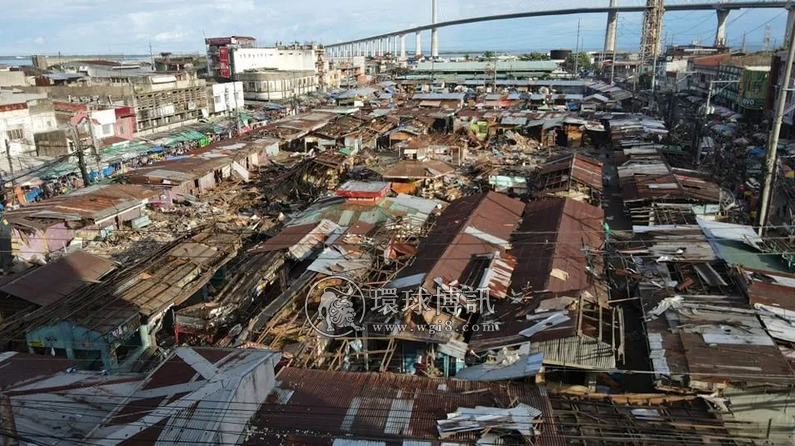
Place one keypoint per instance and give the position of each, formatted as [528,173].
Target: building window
[14,134]
[107,129]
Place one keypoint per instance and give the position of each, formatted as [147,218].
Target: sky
[131,26]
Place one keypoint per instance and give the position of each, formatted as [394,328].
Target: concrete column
[380,47]
[790,22]
[395,46]
[418,45]
[434,34]
[720,33]
[403,47]
[610,33]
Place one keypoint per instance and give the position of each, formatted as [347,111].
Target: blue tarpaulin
[757,152]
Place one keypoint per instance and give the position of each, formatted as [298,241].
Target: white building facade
[226,97]
[21,117]
[283,59]
[269,85]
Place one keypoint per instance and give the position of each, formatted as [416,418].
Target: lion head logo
[336,308]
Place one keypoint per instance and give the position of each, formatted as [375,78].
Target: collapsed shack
[428,178]
[322,173]
[573,176]
[646,184]
[400,409]
[246,280]
[703,335]
[362,234]
[561,306]
[66,222]
[649,419]
[120,320]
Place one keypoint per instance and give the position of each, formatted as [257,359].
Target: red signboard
[124,112]
[218,41]
[223,62]
[65,106]
[10,107]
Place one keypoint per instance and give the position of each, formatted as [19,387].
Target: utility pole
[772,141]
[653,80]
[237,112]
[9,196]
[81,162]
[710,94]
[94,147]
[10,164]
[613,67]
[743,48]
[577,49]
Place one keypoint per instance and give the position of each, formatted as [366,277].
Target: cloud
[101,26]
[168,36]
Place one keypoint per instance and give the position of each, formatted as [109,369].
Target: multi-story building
[736,81]
[231,57]
[225,97]
[171,62]
[218,53]
[273,85]
[160,101]
[22,116]
[347,70]
[295,58]
[703,70]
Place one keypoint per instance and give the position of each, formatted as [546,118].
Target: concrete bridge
[380,44]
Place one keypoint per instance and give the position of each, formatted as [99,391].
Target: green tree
[580,61]
[488,55]
[467,56]
[534,56]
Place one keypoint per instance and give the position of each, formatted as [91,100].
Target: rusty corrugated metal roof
[319,403]
[92,203]
[50,283]
[474,225]
[550,245]
[413,169]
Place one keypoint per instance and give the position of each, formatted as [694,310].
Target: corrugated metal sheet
[192,406]
[50,283]
[554,236]
[525,366]
[447,250]
[415,170]
[577,351]
[322,399]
